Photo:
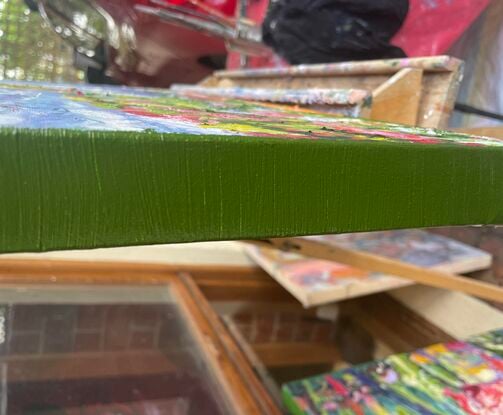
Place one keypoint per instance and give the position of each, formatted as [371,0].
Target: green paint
[289,402]
[412,383]
[65,189]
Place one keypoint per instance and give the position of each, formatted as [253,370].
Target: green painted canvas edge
[291,406]
[71,189]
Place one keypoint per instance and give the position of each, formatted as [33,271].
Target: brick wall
[49,329]
[283,327]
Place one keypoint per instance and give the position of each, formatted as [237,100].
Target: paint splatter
[90,108]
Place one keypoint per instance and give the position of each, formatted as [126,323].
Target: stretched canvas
[87,167]
[492,341]
[452,378]
[347,102]
[316,282]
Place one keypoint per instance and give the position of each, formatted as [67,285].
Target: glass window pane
[105,349]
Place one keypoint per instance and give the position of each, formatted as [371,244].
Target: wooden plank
[393,323]
[226,253]
[258,366]
[113,272]
[384,66]
[240,377]
[218,283]
[439,89]
[457,314]
[365,82]
[377,263]
[296,354]
[397,99]
[495,132]
[441,81]
[240,287]
[438,97]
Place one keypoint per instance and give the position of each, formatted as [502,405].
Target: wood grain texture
[397,99]
[440,84]
[76,189]
[246,389]
[245,395]
[393,323]
[380,66]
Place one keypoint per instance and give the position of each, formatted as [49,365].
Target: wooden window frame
[243,390]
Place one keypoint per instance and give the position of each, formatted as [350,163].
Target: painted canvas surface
[342,102]
[45,106]
[315,282]
[492,341]
[311,96]
[453,378]
[88,167]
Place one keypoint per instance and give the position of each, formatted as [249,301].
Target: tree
[30,50]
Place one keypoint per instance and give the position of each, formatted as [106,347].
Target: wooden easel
[417,91]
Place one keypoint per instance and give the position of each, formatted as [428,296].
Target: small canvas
[315,282]
[492,341]
[444,379]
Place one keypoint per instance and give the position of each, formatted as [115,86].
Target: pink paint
[337,386]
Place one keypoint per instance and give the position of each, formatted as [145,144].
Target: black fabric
[320,31]
[32,5]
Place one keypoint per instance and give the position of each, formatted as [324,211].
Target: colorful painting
[89,167]
[118,109]
[444,379]
[342,102]
[492,341]
[312,96]
[315,282]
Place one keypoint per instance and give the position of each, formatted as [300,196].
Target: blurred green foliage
[30,50]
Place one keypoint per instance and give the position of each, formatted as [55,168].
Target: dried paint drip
[435,63]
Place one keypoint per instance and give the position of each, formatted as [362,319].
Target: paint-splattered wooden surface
[454,378]
[380,66]
[92,167]
[316,282]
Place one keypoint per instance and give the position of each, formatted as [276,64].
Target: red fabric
[432,26]
[227,7]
